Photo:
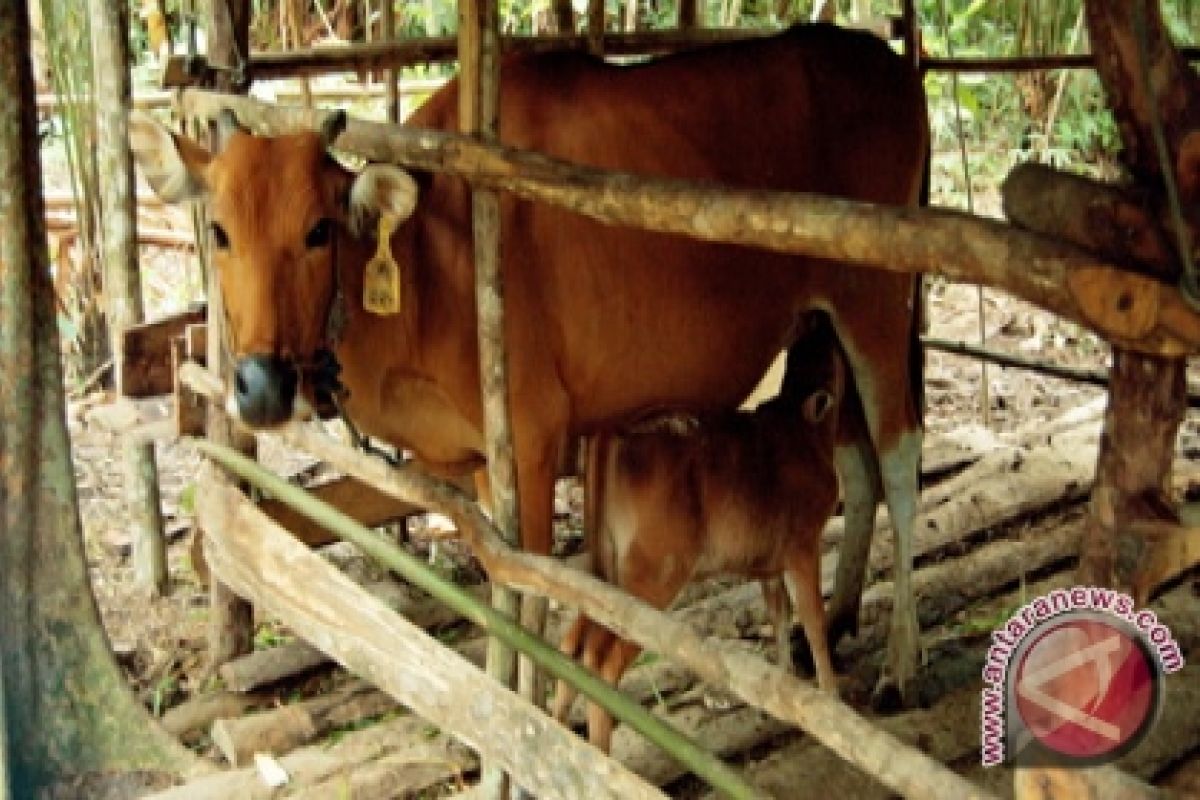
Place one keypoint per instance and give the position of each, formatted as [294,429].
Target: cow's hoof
[802,657]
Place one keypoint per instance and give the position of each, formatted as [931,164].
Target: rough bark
[1119,224]
[1145,79]
[231,619]
[284,729]
[122,275]
[1146,404]
[64,704]
[1128,309]
[1095,783]
[192,718]
[398,758]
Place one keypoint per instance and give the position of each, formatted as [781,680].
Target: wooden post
[595,27]
[479,53]
[563,15]
[912,34]
[1145,78]
[689,16]
[122,277]
[231,619]
[392,76]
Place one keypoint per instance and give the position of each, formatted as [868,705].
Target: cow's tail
[920,321]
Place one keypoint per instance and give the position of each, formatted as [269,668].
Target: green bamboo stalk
[704,764]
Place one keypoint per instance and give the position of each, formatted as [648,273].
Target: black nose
[264,388]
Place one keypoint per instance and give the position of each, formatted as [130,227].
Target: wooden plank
[260,561]
[146,368]
[187,412]
[365,504]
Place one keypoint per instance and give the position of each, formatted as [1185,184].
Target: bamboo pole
[501,625]
[1125,307]
[407,52]
[122,276]
[901,768]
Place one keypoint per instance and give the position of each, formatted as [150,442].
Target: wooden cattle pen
[1101,473]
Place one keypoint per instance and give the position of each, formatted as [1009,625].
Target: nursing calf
[745,493]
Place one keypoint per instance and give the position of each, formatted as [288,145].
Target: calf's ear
[381,189]
[173,165]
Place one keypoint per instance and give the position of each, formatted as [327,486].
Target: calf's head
[278,208]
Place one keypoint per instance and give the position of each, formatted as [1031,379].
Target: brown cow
[737,492]
[604,324]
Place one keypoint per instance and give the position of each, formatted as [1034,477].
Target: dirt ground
[160,642]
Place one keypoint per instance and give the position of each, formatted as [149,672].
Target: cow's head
[278,208]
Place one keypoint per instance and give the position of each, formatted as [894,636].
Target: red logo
[1085,689]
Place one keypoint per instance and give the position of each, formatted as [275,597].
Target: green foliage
[81,320]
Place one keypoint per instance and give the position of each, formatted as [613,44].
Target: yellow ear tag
[381,286]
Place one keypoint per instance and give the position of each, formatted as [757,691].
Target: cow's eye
[219,237]
[320,234]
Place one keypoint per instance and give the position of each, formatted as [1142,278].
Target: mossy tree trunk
[64,705]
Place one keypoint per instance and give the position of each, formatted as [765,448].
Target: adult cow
[604,324]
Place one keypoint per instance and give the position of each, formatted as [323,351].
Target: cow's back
[816,109]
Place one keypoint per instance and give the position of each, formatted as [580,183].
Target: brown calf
[746,493]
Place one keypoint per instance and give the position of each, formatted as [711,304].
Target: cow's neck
[408,380]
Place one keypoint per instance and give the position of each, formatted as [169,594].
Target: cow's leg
[862,490]
[900,465]
[600,723]
[884,383]
[571,646]
[537,460]
[776,598]
[803,579]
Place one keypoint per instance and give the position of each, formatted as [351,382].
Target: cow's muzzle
[264,390]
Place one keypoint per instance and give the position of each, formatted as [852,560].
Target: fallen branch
[1059,783]
[193,717]
[901,768]
[1093,377]
[1008,482]
[1127,308]
[406,748]
[283,729]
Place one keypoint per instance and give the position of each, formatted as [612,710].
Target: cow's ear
[173,165]
[381,189]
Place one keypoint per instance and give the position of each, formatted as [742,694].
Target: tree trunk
[1145,77]
[122,277]
[64,705]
